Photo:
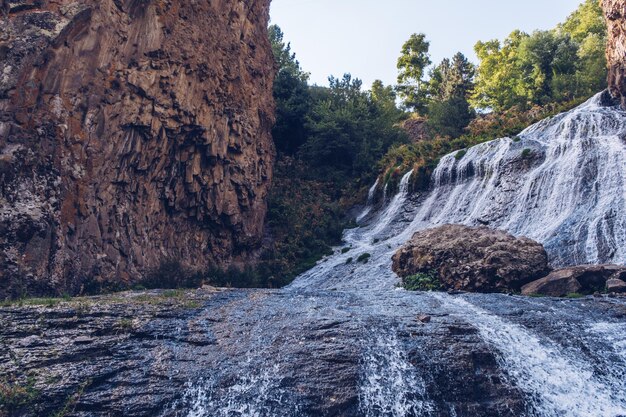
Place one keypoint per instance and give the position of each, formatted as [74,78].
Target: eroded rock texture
[131,131]
[475,259]
[615,13]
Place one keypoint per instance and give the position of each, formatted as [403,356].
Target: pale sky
[364,37]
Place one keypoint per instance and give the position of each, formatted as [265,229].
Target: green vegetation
[423,281]
[328,140]
[15,395]
[72,400]
[364,258]
[574,295]
[556,65]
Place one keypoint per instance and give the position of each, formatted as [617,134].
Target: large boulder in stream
[583,279]
[476,259]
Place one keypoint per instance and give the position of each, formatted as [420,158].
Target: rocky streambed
[322,353]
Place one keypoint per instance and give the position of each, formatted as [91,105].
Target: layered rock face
[615,13]
[131,132]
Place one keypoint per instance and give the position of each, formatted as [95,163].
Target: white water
[390,387]
[557,385]
[571,196]
[370,201]
[569,192]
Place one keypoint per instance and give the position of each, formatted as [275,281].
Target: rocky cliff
[615,13]
[131,132]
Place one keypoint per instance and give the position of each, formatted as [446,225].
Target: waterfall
[562,182]
[345,330]
[370,202]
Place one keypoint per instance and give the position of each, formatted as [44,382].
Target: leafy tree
[412,64]
[449,118]
[591,71]
[543,56]
[499,78]
[350,128]
[558,65]
[585,21]
[291,94]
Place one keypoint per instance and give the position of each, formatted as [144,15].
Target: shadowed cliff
[131,132]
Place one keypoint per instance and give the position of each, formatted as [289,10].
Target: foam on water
[391,386]
[557,385]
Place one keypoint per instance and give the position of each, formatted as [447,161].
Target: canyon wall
[132,132]
[615,13]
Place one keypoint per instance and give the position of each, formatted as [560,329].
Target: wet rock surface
[585,279]
[475,259]
[268,353]
[130,132]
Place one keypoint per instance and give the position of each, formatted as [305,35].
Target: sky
[364,37]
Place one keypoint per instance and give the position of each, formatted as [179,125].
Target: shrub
[364,258]
[460,154]
[526,153]
[422,281]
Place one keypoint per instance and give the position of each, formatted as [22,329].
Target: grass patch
[14,395]
[423,281]
[460,154]
[574,295]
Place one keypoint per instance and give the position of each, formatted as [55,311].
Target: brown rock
[131,133]
[423,318]
[615,13]
[585,279]
[557,284]
[472,258]
[616,285]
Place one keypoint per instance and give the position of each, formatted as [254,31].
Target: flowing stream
[343,340]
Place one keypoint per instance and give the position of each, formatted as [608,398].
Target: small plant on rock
[364,258]
[422,281]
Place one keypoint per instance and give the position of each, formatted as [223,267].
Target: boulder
[616,285]
[475,259]
[584,279]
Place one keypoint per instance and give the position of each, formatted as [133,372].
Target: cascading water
[370,202]
[562,182]
[343,340]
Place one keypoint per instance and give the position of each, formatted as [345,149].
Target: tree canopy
[556,65]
